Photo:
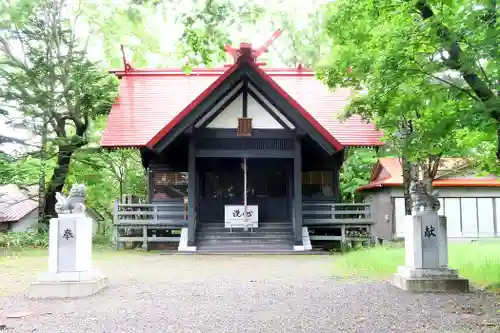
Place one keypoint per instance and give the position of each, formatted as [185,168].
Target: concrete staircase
[268,237]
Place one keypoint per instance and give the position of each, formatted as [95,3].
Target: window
[168,184]
[317,184]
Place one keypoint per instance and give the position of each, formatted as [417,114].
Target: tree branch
[456,55]
[468,92]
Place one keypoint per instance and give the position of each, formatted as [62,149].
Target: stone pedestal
[426,249]
[70,271]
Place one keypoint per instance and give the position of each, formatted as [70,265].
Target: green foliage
[24,239]
[356,171]
[23,171]
[49,83]
[101,239]
[425,79]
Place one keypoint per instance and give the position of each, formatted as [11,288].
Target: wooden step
[253,248]
[239,233]
[243,242]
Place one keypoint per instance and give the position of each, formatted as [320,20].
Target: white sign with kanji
[234,216]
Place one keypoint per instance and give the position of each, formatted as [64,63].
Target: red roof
[153,101]
[388,172]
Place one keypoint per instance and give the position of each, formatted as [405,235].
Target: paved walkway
[155,293]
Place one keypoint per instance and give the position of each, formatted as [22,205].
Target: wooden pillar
[149,184]
[339,161]
[336,182]
[297,191]
[191,194]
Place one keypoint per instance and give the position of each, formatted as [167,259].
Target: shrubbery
[37,239]
[24,239]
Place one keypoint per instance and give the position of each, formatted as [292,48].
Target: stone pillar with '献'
[426,249]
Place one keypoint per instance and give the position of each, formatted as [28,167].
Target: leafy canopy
[402,56]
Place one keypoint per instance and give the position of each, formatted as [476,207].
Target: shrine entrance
[221,182]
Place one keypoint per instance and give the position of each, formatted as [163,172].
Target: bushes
[24,239]
[100,239]
[37,239]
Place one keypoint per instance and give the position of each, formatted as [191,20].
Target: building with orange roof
[470,201]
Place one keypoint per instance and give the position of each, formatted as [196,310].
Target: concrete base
[306,240]
[429,280]
[67,284]
[299,248]
[187,249]
[183,242]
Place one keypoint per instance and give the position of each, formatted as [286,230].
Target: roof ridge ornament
[246,52]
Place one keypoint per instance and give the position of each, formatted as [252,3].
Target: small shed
[470,201]
[19,209]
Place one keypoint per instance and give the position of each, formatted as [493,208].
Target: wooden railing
[352,219]
[132,222]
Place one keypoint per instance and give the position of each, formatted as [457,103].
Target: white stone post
[70,272]
[426,255]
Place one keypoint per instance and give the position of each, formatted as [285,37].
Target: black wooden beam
[280,103]
[245,98]
[195,115]
[249,153]
[230,133]
[191,194]
[269,110]
[297,192]
[223,107]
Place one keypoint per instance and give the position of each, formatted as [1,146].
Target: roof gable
[249,73]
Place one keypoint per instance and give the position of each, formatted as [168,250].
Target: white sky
[168,33]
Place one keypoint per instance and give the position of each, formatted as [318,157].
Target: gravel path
[155,293]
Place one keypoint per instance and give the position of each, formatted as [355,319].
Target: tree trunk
[498,140]
[58,180]
[406,183]
[42,175]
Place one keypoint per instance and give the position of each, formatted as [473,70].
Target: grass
[479,262]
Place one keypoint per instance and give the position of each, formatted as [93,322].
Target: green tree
[47,77]
[422,76]
[356,172]
[390,47]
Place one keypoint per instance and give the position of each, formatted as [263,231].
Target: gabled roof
[152,102]
[388,172]
[16,203]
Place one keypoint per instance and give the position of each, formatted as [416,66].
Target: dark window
[317,184]
[168,184]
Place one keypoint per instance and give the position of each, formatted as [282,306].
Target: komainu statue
[421,199]
[74,203]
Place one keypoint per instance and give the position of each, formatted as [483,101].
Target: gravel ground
[155,293]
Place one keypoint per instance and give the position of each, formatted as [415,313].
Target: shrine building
[241,157]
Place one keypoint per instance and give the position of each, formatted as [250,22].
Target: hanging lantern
[244,127]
